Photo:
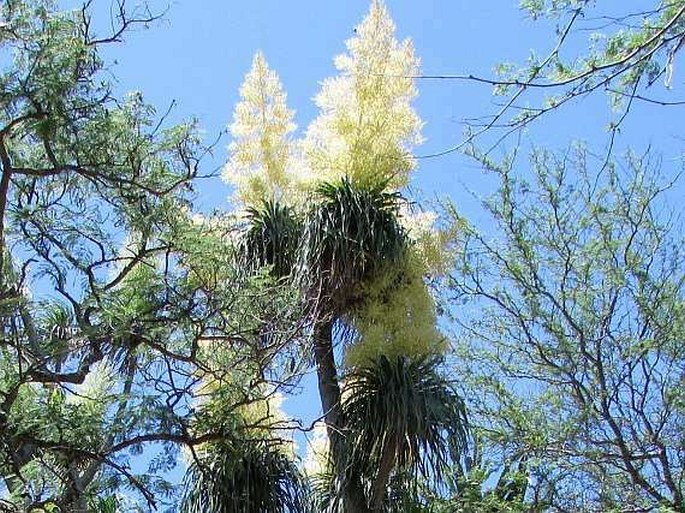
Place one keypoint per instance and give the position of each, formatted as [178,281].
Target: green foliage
[108,504]
[404,418]
[111,290]
[273,237]
[631,56]
[252,478]
[353,234]
[578,340]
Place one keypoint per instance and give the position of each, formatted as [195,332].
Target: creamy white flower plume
[261,128]
[367,126]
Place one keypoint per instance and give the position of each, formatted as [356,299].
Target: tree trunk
[354,499]
[380,484]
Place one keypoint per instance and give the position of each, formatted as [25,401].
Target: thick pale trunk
[329,390]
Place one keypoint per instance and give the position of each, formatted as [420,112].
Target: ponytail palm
[352,233]
[272,237]
[348,253]
[252,478]
[404,417]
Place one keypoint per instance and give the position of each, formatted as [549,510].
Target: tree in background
[574,338]
[577,296]
[111,293]
[627,51]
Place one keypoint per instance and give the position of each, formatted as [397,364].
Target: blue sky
[198,54]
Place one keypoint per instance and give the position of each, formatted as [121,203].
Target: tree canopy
[112,293]
[581,303]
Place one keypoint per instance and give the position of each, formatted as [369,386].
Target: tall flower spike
[261,147]
[367,127]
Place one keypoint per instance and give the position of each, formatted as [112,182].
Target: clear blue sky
[197,56]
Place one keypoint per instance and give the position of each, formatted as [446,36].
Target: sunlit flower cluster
[261,148]
[398,317]
[365,132]
[432,244]
[367,126]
